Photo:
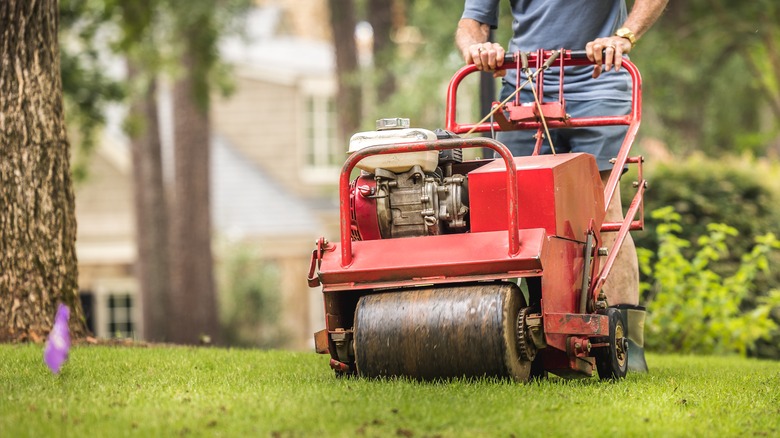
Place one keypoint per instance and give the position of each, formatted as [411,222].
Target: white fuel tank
[394,131]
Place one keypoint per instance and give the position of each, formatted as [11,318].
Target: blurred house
[105,243]
[275,161]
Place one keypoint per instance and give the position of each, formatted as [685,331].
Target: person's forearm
[643,14]
[470,32]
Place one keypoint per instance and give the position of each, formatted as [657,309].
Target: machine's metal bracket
[322,245]
[342,339]
[536,330]
[321,342]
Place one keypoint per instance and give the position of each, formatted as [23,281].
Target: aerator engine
[407,195]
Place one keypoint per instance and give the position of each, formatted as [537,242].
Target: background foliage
[87,88]
[250,303]
[144,31]
[741,192]
[712,70]
[693,308]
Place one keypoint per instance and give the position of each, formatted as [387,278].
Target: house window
[88,309]
[120,316]
[324,153]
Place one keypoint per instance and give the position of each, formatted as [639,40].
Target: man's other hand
[607,53]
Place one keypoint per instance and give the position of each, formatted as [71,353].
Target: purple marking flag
[57,345]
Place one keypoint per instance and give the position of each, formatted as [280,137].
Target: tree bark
[193,305]
[380,15]
[151,218]
[38,266]
[348,100]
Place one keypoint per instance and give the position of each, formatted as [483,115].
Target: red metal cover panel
[561,281]
[560,193]
[432,257]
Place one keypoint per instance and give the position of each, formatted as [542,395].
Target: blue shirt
[568,24]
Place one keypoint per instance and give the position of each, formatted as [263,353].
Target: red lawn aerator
[449,268]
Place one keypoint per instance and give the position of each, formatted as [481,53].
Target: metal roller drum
[440,332]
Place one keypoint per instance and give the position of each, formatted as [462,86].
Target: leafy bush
[741,192]
[691,308]
[249,301]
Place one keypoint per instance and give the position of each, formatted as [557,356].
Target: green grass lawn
[114,391]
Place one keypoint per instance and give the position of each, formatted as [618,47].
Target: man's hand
[643,15]
[607,52]
[471,38]
[486,56]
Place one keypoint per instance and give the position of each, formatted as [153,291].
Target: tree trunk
[380,15]
[193,305]
[38,266]
[151,218]
[342,21]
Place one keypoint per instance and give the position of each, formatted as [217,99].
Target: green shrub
[739,191]
[692,308]
[249,299]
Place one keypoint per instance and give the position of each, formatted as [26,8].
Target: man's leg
[622,285]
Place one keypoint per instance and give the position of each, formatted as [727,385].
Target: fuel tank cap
[392,123]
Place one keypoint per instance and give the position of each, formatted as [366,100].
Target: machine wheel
[612,360]
[440,332]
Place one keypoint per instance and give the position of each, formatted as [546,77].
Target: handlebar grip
[581,54]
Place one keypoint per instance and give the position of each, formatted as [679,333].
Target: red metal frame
[347,272]
[447,258]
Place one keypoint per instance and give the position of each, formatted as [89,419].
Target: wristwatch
[626,33]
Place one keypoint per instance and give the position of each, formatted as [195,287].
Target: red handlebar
[568,58]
